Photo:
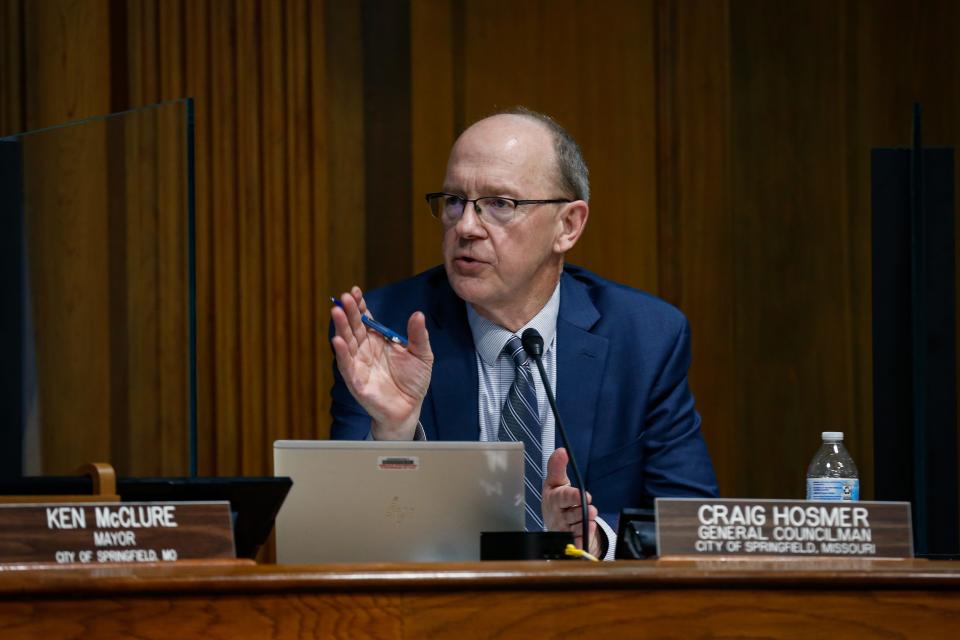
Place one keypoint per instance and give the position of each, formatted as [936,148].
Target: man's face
[501,268]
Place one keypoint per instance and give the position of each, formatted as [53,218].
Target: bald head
[569,170]
[507,150]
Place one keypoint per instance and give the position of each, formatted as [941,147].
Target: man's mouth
[467,263]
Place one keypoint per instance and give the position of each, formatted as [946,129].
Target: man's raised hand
[388,380]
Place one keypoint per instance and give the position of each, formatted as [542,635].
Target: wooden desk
[676,599]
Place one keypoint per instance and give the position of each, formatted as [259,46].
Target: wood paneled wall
[728,143]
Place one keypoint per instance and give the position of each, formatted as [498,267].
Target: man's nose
[469,224]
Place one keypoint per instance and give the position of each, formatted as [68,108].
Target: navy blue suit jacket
[622,389]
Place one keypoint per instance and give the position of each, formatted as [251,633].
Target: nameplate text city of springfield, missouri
[91,533]
[734,527]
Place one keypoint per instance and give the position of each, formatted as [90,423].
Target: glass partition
[97,285]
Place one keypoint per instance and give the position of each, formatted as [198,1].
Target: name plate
[693,526]
[93,533]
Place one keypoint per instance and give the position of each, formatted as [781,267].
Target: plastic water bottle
[832,475]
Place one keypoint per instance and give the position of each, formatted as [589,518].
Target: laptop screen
[365,501]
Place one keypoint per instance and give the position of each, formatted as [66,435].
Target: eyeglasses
[449,208]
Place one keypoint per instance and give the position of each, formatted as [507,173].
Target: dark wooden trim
[388,162]
[458,22]
[225,577]
[669,274]
[119,67]
[118,274]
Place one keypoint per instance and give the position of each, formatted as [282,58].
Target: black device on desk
[254,502]
[636,534]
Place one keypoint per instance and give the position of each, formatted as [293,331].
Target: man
[514,201]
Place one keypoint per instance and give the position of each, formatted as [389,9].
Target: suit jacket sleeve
[661,452]
[677,461]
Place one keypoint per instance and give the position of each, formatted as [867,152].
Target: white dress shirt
[495,371]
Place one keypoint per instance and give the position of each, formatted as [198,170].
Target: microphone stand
[533,344]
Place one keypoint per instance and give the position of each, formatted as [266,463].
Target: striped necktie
[520,421]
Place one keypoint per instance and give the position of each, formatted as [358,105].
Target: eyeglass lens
[450,208]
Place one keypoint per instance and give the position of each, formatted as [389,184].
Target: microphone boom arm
[533,345]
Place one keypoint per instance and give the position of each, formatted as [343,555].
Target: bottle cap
[832,436]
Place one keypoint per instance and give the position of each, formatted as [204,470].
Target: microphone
[532,343]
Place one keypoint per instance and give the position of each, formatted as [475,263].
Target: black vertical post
[936,448]
[192,279]
[893,389]
[11,310]
[388,164]
[914,339]
[918,315]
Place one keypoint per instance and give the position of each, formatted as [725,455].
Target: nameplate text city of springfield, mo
[693,526]
[88,533]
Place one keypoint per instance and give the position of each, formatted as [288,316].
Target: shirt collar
[490,338]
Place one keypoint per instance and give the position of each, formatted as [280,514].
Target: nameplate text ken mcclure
[91,533]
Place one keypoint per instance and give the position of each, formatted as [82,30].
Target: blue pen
[388,334]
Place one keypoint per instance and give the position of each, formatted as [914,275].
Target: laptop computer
[365,501]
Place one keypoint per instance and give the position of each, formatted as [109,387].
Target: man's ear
[572,221]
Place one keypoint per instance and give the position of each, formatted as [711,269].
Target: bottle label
[833,489]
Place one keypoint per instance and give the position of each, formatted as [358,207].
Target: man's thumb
[557,469]
[419,338]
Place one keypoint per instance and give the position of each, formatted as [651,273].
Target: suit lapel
[454,386]
[581,359]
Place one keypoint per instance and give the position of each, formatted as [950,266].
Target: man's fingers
[573,518]
[418,337]
[578,537]
[357,294]
[343,356]
[352,311]
[342,329]
[568,497]
[557,470]
[571,498]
